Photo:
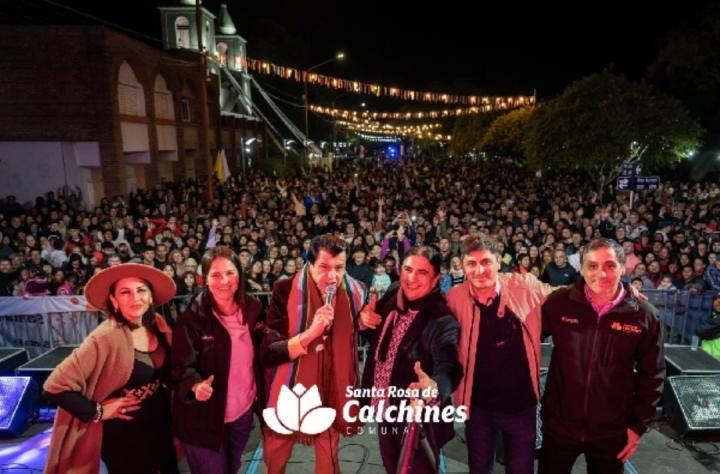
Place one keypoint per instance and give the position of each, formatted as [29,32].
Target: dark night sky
[455,47]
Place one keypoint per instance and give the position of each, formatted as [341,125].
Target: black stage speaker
[40,367]
[10,359]
[684,360]
[692,404]
[18,402]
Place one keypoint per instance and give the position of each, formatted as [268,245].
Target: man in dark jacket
[7,277]
[607,369]
[559,272]
[414,345]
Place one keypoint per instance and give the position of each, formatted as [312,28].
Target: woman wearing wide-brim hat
[110,391]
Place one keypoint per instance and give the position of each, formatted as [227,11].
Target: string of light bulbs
[375,115]
[299,75]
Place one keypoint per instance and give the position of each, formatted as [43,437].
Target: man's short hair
[330,243]
[473,244]
[603,243]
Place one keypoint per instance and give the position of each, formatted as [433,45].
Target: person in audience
[709,330]
[380,280]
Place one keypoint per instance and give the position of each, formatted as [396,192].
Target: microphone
[329,296]
[330,293]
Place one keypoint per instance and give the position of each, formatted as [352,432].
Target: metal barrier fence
[681,312]
[42,323]
[39,324]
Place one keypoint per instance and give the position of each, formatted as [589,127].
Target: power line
[102,21]
[300,106]
[266,85]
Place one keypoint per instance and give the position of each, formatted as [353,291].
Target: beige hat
[97,289]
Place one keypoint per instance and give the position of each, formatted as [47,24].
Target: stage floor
[657,454]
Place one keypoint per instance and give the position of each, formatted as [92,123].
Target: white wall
[30,169]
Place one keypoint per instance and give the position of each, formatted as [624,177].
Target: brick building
[92,107]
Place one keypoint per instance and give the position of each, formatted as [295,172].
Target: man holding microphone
[311,338]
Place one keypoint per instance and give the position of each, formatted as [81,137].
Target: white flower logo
[299,409]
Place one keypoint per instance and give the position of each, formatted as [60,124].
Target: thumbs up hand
[368,317]
[425,386]
[203,390]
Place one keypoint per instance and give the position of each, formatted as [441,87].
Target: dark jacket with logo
[606,372]
[201,347]
[431,339]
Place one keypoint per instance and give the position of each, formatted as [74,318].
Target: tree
[603,122]
[467,132]
[688,67]
[505,134]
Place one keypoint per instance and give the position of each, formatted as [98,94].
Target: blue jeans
[518,431]
[228,459]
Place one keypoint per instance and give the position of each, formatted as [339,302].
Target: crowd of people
[381,208]
[424,265]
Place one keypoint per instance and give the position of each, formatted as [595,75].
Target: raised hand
[368,316]
[426,386]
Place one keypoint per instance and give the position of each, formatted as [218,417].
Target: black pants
[390,436]
[559,454]
[518,431]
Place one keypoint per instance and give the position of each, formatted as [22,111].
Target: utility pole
[307,122]
[337,57]
[204,142]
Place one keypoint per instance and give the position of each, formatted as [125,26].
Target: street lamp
[244,150]
[337,57]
